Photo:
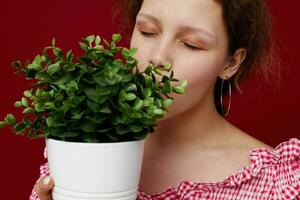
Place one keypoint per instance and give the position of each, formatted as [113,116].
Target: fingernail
[46,180]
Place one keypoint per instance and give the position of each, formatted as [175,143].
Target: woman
[195,153]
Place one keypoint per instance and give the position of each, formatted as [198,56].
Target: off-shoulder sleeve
[273,175]
[44,171]
[287,177]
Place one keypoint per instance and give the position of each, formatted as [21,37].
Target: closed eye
[191,47]
[146,34]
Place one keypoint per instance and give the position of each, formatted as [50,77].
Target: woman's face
[190,35]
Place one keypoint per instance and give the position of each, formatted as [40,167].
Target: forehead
[202,14]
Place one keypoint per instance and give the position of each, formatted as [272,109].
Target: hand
[44,188]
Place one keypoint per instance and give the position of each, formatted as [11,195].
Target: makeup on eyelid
[189,37]
[144,17]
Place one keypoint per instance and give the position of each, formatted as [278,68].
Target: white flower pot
[85,171]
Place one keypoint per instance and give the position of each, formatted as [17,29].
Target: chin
[172,112]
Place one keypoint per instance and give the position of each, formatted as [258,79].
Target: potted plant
[94,111]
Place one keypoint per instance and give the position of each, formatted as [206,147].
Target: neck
[200,126]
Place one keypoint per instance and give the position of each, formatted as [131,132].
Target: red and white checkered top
[272,175]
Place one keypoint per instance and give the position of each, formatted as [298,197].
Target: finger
[44,188]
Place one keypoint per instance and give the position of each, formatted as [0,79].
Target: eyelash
[186,44]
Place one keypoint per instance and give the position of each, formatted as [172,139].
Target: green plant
[95,97]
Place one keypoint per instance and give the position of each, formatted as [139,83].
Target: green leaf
[58,52]
[148,80]
[112,137]
[167,88]
[167,102]
[122,96]
[37,60]
[138,104]
[10,118]
[139,136]
[40,75]
[126,77]
[69,56]
[25,102]
[98,47]
[97,40]
[104,130]
[158,71]
[52,122]
[125,53]
[69,67]
[135,114]
[92,105]
[168,66]
[27,110]
[131,62]
[130,96]
[83,46]
[71,134]
[122,130]
[158,103]
[49,105]
[147,102]
[77,115]
[3,124]
[54,68]
[53,42]
[116,37]
[183,84]
[100,78]
[105,109]
[88,126]
[135,127]
[125,107]
[99,117]
[39,107]
[165,78]
[20,127]
[91,93]
[149,69]
[33,66]
[27,93]
[133,51]
[103,91]
[158,111]
[18,104]
[179,90]
[147,121]
[131,87]
[148,92]
[90,38]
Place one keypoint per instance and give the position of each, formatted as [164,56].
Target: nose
[160,54]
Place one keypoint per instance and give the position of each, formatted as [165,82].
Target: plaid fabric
[271,176]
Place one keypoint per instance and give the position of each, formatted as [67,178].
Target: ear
[233,64]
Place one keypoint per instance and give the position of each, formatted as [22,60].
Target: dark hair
[249,25]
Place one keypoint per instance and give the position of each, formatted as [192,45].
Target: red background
[27,26]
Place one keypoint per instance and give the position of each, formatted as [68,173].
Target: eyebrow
[183,28]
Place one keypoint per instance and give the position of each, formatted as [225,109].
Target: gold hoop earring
[229,88]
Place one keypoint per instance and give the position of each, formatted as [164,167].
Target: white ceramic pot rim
[94,143]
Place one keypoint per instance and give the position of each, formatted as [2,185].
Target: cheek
[201,75]
[199,70]
[143,51]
